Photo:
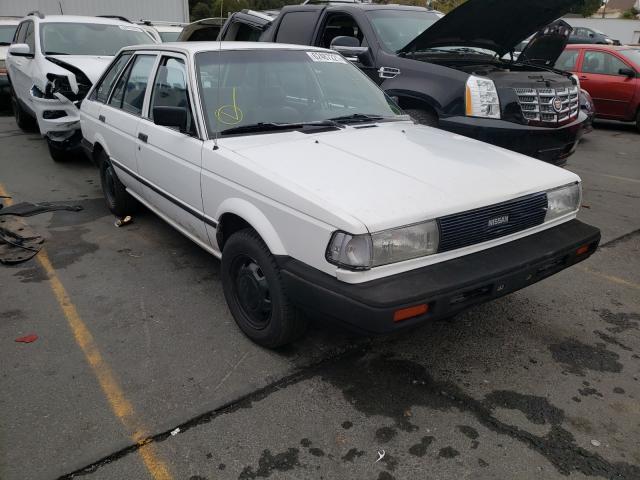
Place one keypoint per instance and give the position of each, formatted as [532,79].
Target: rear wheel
[24,121]
[638,121]
[119,202]
[423,117]
[255,293]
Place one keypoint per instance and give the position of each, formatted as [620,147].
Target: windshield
[169,36]
[633,55]
[240,88]
[89,38]
[396,28]
[6,34]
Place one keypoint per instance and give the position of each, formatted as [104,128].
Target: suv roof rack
[36,13]
[151,23]
[328,2]
[116,17]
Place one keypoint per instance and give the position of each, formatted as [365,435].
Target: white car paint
[297,189]
[26,73]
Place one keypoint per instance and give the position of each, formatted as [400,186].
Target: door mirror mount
[627,72]
[172,117]
[20,50]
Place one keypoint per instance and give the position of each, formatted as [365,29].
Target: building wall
[627,31]
[169,10]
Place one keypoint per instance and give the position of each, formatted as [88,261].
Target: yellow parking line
[611,278]
[120,405]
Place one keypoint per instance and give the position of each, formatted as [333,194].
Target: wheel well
[97,150]
[416,104]
[229,224]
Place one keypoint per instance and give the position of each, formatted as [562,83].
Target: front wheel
[638,121]
[255,293]
[57,152]
[423,117]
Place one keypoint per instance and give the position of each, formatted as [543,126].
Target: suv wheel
[638,121]
[119,202]
[58,153]
[255,294]
[24,121]
[423,117]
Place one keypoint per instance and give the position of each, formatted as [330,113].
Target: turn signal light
[410,312]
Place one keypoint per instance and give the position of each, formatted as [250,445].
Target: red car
[611,74]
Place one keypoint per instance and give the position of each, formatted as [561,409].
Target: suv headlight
[563,200]
[481,98]
[361,252]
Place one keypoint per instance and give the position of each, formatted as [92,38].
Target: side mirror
[627,72]
[350,48]
[20,50]
[172,117]
[591,35]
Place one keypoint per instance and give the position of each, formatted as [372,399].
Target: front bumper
[56,129]
[552,145]
[448,287]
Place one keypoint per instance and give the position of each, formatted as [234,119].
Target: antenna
[60,5]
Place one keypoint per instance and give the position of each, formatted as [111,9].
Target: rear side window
[602,63]
[567,60]
[132,86]
[101,93]
[297,27]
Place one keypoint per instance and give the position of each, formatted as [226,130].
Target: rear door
[169,160]
[121,114]
[611,91]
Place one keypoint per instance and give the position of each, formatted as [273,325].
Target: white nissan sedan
[318,194]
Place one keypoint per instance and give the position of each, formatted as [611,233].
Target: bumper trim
[448,287]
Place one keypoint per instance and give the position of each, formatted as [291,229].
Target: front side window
[240,88]
[89,38]
[338,26]
[170,90]
[132,86]
[6,34]
[567,60]
[101,93]
[602,63]
[397,28]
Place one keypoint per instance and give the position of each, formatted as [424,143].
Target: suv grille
[494,221]
[550,106]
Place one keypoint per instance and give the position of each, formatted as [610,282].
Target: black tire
[23,119]
[423,117]
[118,200]
[255,293]
[58,154]
[638,121]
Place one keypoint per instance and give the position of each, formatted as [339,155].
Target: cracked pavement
[541,384]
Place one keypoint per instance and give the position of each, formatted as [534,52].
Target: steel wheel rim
[251,291]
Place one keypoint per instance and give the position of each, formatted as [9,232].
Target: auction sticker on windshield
[326,57]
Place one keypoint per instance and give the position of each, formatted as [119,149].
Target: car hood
[91,66]
[393,174]
[497,25]
[547,45]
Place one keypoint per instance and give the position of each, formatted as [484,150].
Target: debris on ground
[595,443]
[381,454]
[121,222]
[27,338]
[175,432]
[27,209]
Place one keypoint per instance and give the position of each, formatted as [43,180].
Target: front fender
[254,217]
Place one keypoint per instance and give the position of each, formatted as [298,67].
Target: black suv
[456,72]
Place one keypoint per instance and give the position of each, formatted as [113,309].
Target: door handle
[101,118]
[583,77]
[143,137]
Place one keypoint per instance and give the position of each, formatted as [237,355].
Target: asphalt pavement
[139,371]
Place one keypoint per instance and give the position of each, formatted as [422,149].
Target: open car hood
[547,45]
[497,25]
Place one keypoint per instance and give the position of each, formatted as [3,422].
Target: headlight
[362,252]
[563,200]
[482,98]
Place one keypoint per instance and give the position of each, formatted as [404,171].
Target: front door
[169,159]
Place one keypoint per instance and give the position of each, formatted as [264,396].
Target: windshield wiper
[359,117]
[55,53]
[275,127]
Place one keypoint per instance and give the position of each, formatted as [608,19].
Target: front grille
[550,106]
[494,221]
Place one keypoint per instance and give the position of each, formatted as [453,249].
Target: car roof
[213,46]
[598,46]
[9,20]
[78,19]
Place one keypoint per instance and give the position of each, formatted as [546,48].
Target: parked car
[317,193]
[162,31]
[8,27]
[52,64]
[611,74]
[586,105]
[589,35]
[448,71]
[203,30]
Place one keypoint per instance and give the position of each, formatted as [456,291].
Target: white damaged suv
[51,66]
[317,193]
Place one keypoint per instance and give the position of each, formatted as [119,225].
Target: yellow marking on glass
[230,114]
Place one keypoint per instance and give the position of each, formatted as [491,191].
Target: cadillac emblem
[557,104]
